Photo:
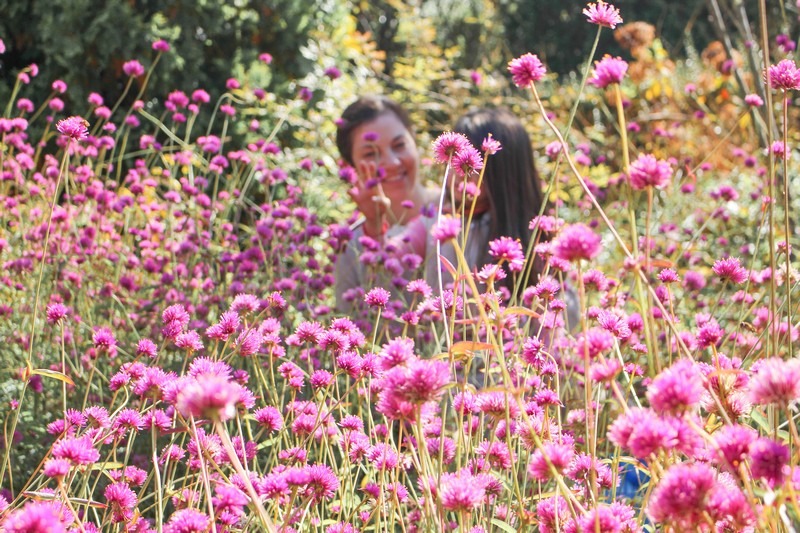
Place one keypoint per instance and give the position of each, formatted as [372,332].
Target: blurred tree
[86,42]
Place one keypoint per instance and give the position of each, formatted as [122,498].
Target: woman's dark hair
[515,192]
[365,109]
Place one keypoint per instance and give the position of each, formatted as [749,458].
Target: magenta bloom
[576,242]
[76,450]
[733,444]
[133,68]
[76,128]
[448,144]
[161,46]
[121,500]
[677,389]
[209,396]
[608,71]
[405,388]
[56,313]
[322,482]
[775,381]
[769,460]
[603,14]
[526,69]
[377,297]
[468,161]
[647,171]
[753,100]
[681,496]
[490,145]
[508,250]
[730,269]
[461,491]
[447,228]
[784,76]
[49,516]
[187,521]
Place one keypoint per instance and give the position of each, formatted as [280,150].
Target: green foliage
[86,42]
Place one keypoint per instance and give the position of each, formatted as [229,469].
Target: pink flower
[447,145]
[121,501]
[56,313]
[405,388]
[784,76]
[526,69]
[647,171]
[608,71]
[769,460]
[560,455]
[377,297]
[467,161]
[187,521]
[51,516]
[775,381]
[161,46]
[133,68]
[208,396]
[461,491]
[76,128]
[508,250]
[681,496]
[677,389]
[447,229]
[269,418]
[77,450]
[490,145]
[730,269]
[553,514]
[753,100]
[603,14]
[576,242]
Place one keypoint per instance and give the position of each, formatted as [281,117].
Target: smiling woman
[375,137]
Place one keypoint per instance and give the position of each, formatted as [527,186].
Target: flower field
[174,361]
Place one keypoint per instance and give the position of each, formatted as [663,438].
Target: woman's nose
[389,159]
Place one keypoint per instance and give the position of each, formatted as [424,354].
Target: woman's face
[384,148]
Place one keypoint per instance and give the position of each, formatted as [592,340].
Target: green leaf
[503,526]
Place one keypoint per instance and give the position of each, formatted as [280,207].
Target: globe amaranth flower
[730,269]
[121,500]
[446,229]
[407,387]
[377,297]
[509,250]
[603,14]
[526,69]
[608,71]
[769,460]
[682,494]
[187,521]
[51,516]
[784,76]
[461,491]
[208,396]
[76,128]
[576,242]
[647,171]
[468,161]
[133,68]
[775,381]
[448,144]
[677,389]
